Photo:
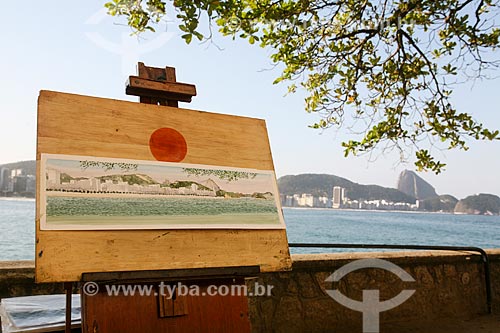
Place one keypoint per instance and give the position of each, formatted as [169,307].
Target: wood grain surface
[79,125]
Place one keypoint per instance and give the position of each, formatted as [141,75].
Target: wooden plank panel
[224,140]
[77,125]
[64,255]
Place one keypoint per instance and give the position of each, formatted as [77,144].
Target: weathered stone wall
[448,285]
[495,279]
[17,278]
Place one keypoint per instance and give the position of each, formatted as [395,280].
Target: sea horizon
[304,225]
[298,208]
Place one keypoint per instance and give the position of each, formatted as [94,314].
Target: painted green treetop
[107,166]
[385,69]
[221,174]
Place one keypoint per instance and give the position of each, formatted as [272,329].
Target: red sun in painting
[168,145]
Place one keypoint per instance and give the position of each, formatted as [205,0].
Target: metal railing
[484,255]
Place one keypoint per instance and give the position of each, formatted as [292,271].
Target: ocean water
[305,226]
[17,229]
[382,227]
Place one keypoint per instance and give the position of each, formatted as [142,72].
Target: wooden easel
[102,313]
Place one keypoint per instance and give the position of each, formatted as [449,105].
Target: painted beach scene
[95,193]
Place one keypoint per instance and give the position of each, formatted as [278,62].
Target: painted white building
[53,178]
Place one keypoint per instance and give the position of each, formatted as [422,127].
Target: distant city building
[305,200]
[338,197]
[288,201]
[19,184]
[341,201]
[324,202]
[16,172]
[16,182]
[30,184]
[308,200]
[4,179]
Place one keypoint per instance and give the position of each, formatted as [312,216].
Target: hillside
[28,166]
[135,179]
[413,185]
[138,179]
[442,203]
[479,204]
[322,185]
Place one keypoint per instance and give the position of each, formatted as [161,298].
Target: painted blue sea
[306,226]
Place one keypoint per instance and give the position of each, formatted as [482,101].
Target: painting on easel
[95,193]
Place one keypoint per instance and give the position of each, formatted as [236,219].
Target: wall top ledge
[336,259]
[332,260]
[20,264]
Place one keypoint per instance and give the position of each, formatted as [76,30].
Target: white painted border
[43,197]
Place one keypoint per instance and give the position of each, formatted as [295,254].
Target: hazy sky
[74,48]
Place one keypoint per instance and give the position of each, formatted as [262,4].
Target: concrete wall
[448,285]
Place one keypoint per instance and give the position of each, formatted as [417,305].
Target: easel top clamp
[159,86]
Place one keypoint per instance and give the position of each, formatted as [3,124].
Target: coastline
[17,199]
[385,211]
[372,210]
[105,195]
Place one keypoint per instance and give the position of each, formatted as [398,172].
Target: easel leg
[68,286]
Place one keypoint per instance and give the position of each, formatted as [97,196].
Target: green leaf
[187,38]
